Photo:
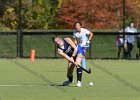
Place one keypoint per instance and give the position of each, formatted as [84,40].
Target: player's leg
[69,74]
[84,63]
[125,50]
[128,50]
[79,69]
[119,51]
[84,60]
[130,47]
[70,71]
[79,58]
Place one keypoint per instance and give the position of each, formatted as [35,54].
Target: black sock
[79,74]
[70,79]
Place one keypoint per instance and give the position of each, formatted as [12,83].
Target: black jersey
[68,50]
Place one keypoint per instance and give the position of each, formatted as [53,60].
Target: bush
[39,14]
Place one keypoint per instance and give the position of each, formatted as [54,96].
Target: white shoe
[66,83]
[79,84]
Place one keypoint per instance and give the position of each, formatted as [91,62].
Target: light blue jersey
[82,36]
[130,38]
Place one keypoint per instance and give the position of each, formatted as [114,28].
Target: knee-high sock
[84,63]
[79,74]
[70,79]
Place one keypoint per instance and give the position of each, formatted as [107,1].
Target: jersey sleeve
[87,31]
[126,29]
[59,50]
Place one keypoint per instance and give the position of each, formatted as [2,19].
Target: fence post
[19,35]
[90,50]
[21,44]
[55,47]
[55,51]
[18,43]
[124,52]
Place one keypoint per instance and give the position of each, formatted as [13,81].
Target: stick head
[89,71]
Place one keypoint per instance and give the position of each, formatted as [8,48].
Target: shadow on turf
[61,85]
[34,73]
[56,85]
[117,77]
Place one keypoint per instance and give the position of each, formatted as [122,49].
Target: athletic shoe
[78,84]
[66,83]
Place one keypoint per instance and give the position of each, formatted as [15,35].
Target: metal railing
[102,44]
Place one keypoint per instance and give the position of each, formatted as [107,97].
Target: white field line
[23,85]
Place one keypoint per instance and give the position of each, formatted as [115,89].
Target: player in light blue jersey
[129,42]
[82,37]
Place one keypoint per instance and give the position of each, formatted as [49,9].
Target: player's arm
[61,53]
[90,36]
[75,41]
[69,41]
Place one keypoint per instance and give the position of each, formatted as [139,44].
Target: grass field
[21,79]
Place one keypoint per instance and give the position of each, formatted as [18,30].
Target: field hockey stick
[87,71]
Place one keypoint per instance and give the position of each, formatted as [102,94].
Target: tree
[39,15]
[8,17]
[95,14]
[137,12]
[36,14]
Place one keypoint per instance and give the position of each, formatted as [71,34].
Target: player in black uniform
[74,54]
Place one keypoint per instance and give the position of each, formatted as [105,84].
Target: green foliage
[9,19]
[60,14]
[38,14]
[3,27]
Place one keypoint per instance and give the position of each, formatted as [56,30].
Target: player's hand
[72,59]
[75,64]
[88,41]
